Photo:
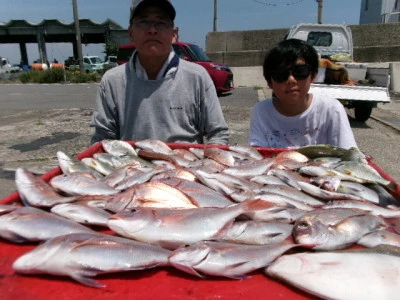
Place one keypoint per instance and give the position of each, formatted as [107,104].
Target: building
[379,11]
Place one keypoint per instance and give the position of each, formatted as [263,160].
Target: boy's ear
[269,84]
[313,76]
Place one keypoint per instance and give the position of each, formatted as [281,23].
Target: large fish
[81,256]
[32,224]
[150,194]
[367,274]
[256,232]
[171,228]
[34,191]
[79,183]
[334,228]
[226,259]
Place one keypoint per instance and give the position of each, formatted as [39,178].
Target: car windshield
[95,60]
[198,53]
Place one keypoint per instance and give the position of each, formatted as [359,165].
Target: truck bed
[347,92]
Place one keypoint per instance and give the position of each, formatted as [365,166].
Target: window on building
[366,4]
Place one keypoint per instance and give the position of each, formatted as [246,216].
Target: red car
[220,74]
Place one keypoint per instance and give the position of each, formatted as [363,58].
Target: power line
[279,4]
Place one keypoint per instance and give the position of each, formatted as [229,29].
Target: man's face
[152,32]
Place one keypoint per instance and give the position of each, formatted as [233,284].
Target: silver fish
[81,256]
[34,191]
[334,228]
[69,164]
[226,259]
[380,237]
[373,273]
[171,228]
[32,224]
[82,213]
[80,183]
[154,146]
[247,150]
[256,232]
[98,165]
[118,148]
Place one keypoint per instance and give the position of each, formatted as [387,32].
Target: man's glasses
[147,24]
[299,72]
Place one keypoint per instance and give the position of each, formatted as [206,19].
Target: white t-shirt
[324,122]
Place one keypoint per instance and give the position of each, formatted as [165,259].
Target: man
[156,95]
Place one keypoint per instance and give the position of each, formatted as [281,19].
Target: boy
[294,117]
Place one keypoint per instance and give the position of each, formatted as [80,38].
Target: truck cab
[327,39]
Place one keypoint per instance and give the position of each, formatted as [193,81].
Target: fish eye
[302,225]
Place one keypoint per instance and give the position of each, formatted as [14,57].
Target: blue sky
[194,18]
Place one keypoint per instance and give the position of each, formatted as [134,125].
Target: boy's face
[292,83]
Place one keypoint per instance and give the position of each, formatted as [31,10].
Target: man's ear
[130,32]
[269,84]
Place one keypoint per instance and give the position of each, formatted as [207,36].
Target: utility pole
[215,14]
[320,8]
[78,36]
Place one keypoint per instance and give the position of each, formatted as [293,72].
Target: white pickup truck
[335,42]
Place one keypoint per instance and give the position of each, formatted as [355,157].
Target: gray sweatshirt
[181,107]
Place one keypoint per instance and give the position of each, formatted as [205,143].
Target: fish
[334,228]
[256,232]
[98,165]
[85,255]
[249,151]
[324,194]
[69,164]
[171,228]
[365,274]
[223,157]
[149,194]
[249,169]
[82,213]
[34,191]
[362,171]
[322,150]
[118,148]
[226,259]
[29,224]
[153,145]
[366,206]
[202,195]
[80,183]
[380,237]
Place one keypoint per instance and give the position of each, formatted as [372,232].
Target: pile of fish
[214,211]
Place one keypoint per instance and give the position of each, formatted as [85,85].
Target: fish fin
[87,281]
[258,204]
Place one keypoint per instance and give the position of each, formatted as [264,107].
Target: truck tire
[362,112]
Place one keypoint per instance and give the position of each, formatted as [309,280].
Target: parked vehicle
[335,42]
[111,62]
[220,74]
[7,67]
[90,64]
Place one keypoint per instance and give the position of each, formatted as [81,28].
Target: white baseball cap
[166,5]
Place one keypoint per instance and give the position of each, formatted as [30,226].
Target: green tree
[110,49]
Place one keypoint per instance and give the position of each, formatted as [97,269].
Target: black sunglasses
[299,72]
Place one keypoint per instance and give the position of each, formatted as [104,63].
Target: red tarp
[158,283]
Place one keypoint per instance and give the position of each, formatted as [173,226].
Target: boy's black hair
[286,53]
